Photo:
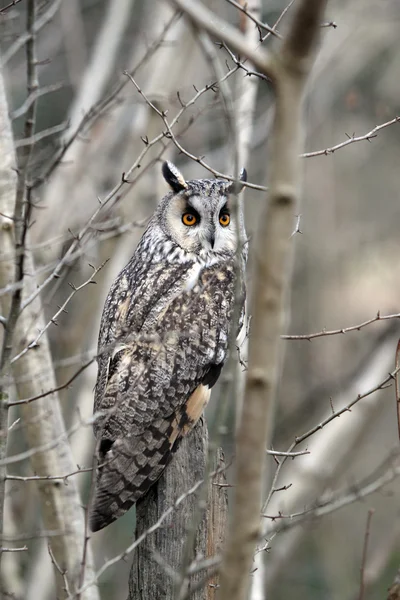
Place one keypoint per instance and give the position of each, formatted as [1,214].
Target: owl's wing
[141,290]
[156,390]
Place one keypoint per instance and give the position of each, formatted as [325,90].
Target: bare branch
[170,135]
[287,454]
[43,448]
[10,5]
[49,477]
[61,571]
[279,19]
[253,18]
[352,140]
[329,455]
[19,112]
[208,21]
[343,330]
[337,413]
[102,61]
[341,498]
[41,135]
[41,22]
[54,390]
[53,320]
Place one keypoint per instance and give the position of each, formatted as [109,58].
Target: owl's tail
[128,468]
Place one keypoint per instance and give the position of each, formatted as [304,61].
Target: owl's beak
[211,238]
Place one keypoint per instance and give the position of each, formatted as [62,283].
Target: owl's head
[198,215]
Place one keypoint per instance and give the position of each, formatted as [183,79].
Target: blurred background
[93,126]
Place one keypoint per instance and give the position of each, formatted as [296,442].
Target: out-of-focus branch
[10,576]
[41,22]
[246,91]
[208,21]
[16,235]
[245,105]
[96,76]
[8,178]
[102,60]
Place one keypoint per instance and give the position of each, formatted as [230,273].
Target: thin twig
[287,454]
[279,19]
[101,107]
[208,21]
[47,89]
[27,37]
[352,139]
[55,389]
[259,23]
[62,572]
[170,135]
[10,5]
[342,330]
[49,477]
[61,309]
[15,458]
[337,413]
[341,498]
[41,135]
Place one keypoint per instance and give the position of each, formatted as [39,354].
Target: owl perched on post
[164,337]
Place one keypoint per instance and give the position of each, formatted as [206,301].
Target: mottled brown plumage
[163,340]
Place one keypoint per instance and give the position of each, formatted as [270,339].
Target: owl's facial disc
[200,221]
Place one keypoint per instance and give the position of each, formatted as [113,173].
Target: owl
[164,337]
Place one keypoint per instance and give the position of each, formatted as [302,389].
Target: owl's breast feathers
[161,351]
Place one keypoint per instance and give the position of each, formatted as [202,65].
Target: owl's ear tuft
[173,177]
[236,186]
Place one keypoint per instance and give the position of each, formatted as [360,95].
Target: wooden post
[157,561]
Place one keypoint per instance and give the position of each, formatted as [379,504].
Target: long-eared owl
[164,337]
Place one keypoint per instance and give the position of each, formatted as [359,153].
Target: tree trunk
[157,561]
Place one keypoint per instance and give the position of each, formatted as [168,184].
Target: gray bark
[159,557]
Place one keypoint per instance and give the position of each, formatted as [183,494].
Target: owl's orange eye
[189,219]
[224,219]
